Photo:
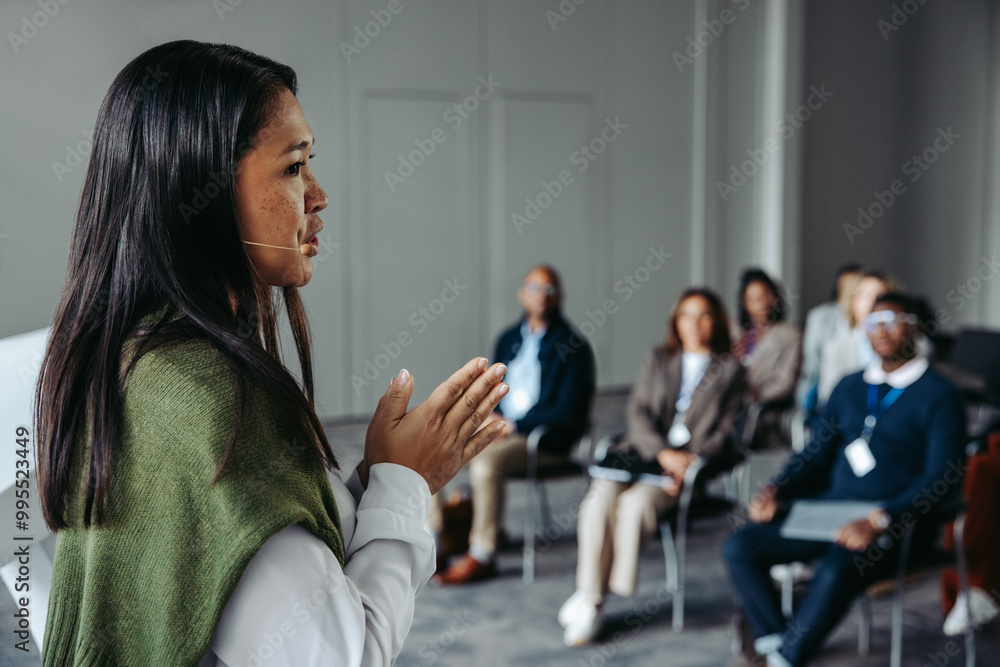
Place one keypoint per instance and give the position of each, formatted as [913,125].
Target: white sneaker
[583,626]
[569,608]
[984,609]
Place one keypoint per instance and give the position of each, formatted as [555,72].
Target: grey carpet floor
[506,622]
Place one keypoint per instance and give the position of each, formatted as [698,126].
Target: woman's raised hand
[443,433]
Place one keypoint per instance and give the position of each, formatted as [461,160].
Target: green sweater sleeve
[148,586]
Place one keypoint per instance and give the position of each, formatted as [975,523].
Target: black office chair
[734,463]
[929,563]
[575,465]
[674,525]
[973,365]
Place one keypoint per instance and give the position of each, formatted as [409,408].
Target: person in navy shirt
[551,374]
[908,459]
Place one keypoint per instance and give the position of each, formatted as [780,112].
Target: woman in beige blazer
[683,406]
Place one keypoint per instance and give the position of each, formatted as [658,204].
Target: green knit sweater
[148,586]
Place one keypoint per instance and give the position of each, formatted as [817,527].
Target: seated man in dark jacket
[891,435]
[551,375]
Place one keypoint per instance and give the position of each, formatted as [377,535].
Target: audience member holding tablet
[891,431]
[683,405]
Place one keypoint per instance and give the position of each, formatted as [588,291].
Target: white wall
[388,251]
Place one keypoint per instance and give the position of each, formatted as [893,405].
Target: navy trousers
[840,576]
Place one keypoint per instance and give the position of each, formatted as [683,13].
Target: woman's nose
[316,199]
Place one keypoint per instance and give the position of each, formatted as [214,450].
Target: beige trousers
[614,520]
[487,472]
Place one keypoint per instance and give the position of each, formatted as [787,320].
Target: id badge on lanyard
[678,435]
[859,454]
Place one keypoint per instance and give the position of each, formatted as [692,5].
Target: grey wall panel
[419,288]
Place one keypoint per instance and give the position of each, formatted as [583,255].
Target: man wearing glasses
[892,431]
[551,375]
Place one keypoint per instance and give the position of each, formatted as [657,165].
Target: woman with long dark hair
[771,351]
[683,406]
[201,518]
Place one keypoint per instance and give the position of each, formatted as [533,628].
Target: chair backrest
[978,350]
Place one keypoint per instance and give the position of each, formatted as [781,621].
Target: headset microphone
[304,249]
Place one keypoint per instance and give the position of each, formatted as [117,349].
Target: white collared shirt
[693,367]
[903,376]
[524,375]
[297,607]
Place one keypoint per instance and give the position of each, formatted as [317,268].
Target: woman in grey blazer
[683,406]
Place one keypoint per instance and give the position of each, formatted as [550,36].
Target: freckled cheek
[280,208]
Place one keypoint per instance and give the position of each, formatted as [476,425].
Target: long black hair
[755,275]
[157,228]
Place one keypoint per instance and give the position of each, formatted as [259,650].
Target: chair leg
[543,498]
[530,530]
[963,583]
[678,615]
[681,542]
[788,592]
[683,511]
[896,656]
[669,556]
[865,625]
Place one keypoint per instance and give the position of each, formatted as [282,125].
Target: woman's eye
[294,169]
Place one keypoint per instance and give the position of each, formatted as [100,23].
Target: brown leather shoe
[441,564]
[465,571]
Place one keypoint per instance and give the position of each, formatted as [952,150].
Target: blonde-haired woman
[852,351]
